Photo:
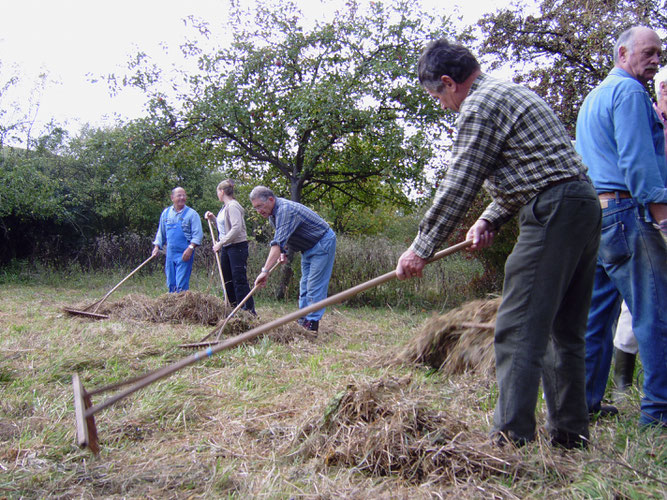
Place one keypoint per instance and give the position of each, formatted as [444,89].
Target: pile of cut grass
[185,307]
[386,427]
[455,342]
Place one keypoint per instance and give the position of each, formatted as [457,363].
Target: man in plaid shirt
[302,230]
[512,143]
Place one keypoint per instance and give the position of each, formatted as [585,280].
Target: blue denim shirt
[621,139]
[190,223]
[297,226]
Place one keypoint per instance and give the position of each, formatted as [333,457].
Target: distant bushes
[445,284]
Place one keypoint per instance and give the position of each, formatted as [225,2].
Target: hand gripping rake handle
[86,430]
[217,259]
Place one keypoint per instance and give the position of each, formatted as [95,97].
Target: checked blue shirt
[297,226]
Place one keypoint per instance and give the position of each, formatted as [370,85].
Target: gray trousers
[541,321]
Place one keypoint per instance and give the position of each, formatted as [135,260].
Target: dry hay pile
[457,341]
[385,428]
[184,307]
[243,321]
[289,332]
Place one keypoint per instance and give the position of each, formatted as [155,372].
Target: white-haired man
[621,142]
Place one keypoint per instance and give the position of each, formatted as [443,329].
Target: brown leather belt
[605,197]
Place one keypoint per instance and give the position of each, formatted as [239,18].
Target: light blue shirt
[621,139]
[190,223]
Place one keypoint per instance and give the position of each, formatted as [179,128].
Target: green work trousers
[541,321]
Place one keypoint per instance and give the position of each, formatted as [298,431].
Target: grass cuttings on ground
[186,307]
[386,428]
[227,427]
[455,342]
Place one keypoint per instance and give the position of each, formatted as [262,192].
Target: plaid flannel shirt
[297,226]
[510,142]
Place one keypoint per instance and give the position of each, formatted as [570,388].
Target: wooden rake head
[86,431]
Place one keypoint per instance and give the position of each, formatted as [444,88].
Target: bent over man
[302,230]
[180,229]
[510,141]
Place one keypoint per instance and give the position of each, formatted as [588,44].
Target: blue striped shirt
[297,226]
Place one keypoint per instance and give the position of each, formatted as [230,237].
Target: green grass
[229,427]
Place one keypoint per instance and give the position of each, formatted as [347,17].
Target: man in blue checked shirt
[302,230]
[621,140]
[180,229]
[512,143]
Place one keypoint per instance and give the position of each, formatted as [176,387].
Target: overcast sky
[74,40]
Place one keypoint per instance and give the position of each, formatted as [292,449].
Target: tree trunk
[286,276]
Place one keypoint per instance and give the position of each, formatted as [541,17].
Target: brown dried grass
[385,428]
[455,342]
[185,307]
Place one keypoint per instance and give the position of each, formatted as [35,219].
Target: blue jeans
[632,265]
[316,266]
[234,262]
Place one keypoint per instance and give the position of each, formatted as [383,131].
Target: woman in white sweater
[232,245]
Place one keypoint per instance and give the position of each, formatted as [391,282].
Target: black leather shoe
[568,440]
[501,439]
[603,411]
[311,325]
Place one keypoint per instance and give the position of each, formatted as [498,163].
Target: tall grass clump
[360,259]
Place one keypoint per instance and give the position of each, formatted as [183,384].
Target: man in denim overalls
[180,228]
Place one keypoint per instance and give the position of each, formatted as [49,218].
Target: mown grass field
[234,426]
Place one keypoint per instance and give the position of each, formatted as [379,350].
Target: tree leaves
[566,48]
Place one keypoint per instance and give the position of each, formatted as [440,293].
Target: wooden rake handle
[251,334]
[99,302]
[217,259]
[245,299]
[229,316]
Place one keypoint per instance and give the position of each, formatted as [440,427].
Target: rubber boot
[624,369]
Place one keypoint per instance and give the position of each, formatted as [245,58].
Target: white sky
[74,40]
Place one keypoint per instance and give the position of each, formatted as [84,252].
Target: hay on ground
[457,341]
[385,428]
[184,307]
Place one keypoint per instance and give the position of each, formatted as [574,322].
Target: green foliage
[331,112]
[567,48]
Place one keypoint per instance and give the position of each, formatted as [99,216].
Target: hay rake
[217,259]
[219,330]
[85,410]
[96,305]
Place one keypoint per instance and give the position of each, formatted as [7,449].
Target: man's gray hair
[627,40]
[659,78]
[261,192]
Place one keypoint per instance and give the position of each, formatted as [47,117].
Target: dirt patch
[8,430]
